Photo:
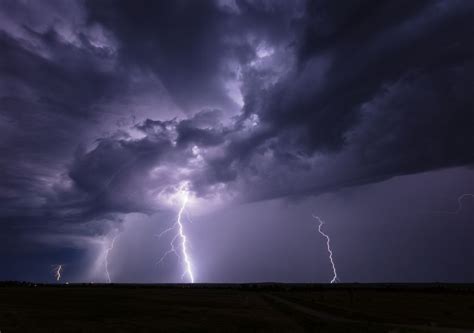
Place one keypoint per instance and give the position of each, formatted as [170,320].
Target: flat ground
[236,308]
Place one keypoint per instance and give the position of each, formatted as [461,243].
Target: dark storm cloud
[47,87]
[189,44]
[369,91]
[178,40]
[55,72]
[349,53]
[63,62]
[359,56]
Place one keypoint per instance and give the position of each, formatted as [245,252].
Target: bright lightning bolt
[328,245]
[187,260]
[57,272]
[106,258]
[180,234]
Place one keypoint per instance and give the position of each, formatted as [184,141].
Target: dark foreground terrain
[236,308]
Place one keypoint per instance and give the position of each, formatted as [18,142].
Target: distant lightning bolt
[328,245]
[460,200]
[57,272]
[180,234]
[106,258]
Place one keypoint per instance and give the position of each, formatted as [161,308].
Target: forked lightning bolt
[180,234]
[328,245]
[106,258]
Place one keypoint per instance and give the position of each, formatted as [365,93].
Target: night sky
[262,114]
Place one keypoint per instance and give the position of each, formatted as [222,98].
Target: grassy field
[236,308]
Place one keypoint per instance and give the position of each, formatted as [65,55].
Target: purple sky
[263,113]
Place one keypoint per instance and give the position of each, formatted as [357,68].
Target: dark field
[236,308]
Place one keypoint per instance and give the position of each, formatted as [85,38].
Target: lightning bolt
[106,258]
[172,249]
[180,235]
[460,199]
[57,272]
[328,245]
